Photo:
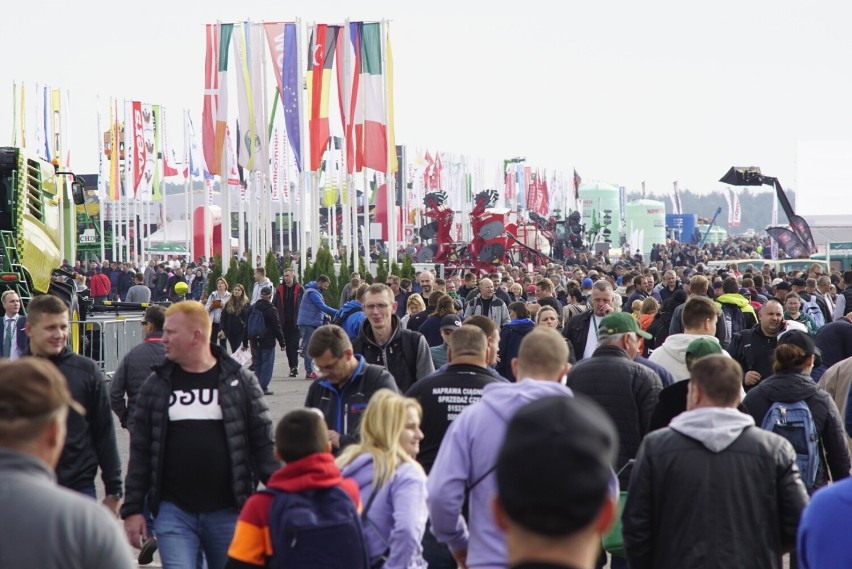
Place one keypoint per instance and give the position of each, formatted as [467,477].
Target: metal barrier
[108,341]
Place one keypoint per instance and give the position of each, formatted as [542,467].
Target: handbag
[613,540]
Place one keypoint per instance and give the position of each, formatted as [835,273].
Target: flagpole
[187,186]
[303,175]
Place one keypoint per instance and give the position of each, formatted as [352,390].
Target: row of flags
[359,56]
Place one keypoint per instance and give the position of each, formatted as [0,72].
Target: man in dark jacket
[744,514]
[202,435]
[581,330]
[136,366]
[404,353]
[263,346]
[288,300]
[753,348]
[628,391]
[345,385]
[90,442]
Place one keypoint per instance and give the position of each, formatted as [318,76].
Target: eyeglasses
[374,307]
[324,369]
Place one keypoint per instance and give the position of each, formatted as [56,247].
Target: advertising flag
[225,33]
[253,142]
[114,156]
[211,94]
[736,216]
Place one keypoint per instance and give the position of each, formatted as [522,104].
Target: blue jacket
[397,516]
[510,342]
[352,325]
[313,307]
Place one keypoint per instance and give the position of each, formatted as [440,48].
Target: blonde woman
[548,318]
[214,304]
[413,305]
[234,316]
[391,482]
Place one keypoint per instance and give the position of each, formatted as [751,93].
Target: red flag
[436,172]
[211,98]
[543,197]
[427,172]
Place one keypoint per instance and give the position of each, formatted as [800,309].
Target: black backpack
[659,329]
[316,529]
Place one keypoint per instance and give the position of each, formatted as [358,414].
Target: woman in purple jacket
[391,482]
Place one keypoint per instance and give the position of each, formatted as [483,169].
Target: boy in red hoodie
[301,442]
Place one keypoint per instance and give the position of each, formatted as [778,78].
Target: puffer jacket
[248,433]
[498,312]
[627,391]
[313,306]
[789,386]
[698,501]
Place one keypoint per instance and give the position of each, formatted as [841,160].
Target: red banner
[139,152]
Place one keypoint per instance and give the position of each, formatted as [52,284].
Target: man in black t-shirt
[443,396]
[202,432]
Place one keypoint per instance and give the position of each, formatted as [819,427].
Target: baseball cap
[620,323]
[531,289]
[798,338]
[783,285]
[554,470]
[798,282]
[266,291]
[451,322]
[745,292]
[701,347]
[31,388]
[776,282]
[587,283]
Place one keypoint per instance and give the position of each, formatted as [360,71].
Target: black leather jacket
[691,507]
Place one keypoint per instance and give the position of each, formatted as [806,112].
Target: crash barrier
[108,341]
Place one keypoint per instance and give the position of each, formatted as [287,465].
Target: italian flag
[369,117]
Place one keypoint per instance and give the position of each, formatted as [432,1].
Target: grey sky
[622,91]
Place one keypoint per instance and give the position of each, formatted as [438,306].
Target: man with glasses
[346,383]
[404,353]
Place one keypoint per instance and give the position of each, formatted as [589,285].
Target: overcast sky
[622,91]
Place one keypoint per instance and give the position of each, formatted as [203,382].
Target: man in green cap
[627,390]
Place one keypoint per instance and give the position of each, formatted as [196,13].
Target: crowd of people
[487,421]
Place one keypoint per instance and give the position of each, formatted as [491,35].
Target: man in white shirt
[15,340]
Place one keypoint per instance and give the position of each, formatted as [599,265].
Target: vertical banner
[726,193]
[102,175]
[114,156]
[225,32]
[156,112]
[737,213]
[275,174]
[147,186]
[139,150]
[211,96]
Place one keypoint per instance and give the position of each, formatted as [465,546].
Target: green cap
[701,347]
[620,323]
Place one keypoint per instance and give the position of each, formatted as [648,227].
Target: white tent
[180,231]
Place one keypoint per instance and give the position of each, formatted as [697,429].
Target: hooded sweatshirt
[468,457]
[397,516]
[672,354]
[251,545]
[353,312]
[714,427]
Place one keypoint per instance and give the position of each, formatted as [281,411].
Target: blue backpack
[256,325]
[794,422]
[316,529]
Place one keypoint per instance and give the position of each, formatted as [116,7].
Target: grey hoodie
[715,427]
